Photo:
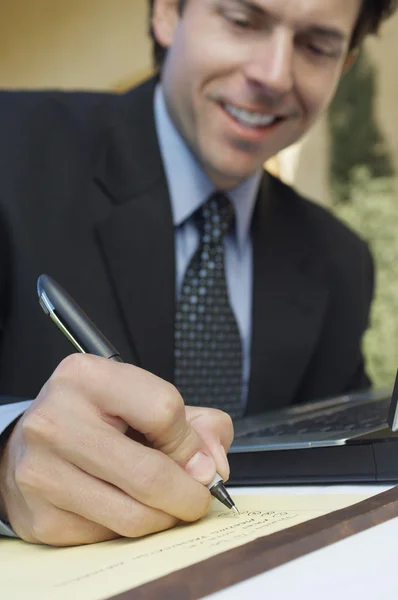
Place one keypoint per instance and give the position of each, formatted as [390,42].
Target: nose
[270,65]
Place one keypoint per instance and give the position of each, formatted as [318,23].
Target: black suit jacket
[84,198]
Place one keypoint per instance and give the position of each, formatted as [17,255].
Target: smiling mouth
[250,119]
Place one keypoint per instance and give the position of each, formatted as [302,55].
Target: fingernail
[226,463]
[201,467]
[222,463]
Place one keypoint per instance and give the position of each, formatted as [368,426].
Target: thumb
[180,440]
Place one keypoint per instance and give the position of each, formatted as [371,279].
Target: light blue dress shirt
[189,188]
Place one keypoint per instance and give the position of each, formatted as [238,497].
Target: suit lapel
[289,297]
[135,232]
[136,237]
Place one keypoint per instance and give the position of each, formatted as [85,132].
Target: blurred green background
[363,187]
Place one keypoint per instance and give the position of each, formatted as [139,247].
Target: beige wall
[100,44]
[92,44]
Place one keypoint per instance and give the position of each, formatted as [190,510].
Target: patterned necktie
[208,353]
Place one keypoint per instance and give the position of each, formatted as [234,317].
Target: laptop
[351,438]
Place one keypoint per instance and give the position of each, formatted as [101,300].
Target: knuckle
[199,508]
[149,479]
[134,524]
[138,521]
[72,368]
[170,407]
[224,419]
[28,477]
[38,426]
[45,528]
[220,422]
[226,424]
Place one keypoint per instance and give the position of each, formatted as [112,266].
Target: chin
[241,172]
[228,179]
[232,170]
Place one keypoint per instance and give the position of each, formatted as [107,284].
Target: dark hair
[373,14]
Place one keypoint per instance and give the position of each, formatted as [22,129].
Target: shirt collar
[189,186]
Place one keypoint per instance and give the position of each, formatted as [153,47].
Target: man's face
[244,79]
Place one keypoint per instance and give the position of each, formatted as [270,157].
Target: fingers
[156,410]
[65,423]
[53,502]
[56,527]
[216,430]
[76,470]
[145,402]
[72,508]
[141,472]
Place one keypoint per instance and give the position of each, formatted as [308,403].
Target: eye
[321,51]
[239,21]
[317,50]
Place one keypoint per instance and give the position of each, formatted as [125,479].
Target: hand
[109,450]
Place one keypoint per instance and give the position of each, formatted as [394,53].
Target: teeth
[250,119]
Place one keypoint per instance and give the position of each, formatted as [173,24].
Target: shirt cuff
[5,530]
[8,414]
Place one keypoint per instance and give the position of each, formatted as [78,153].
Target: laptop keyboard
[365,417]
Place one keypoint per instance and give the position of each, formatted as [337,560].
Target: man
[153,210]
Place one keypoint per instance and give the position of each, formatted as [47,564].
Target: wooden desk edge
[267,552]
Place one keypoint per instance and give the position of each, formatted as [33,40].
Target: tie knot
[216,217]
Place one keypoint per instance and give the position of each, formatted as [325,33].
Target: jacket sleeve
[360,379]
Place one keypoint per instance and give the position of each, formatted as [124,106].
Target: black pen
[86,338]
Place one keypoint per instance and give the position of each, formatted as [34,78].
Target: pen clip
[72,320]
[50,311]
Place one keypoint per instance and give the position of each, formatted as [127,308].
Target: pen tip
[235,510]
